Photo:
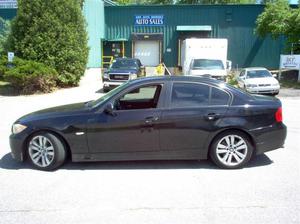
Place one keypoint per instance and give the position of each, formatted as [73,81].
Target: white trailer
[204,57]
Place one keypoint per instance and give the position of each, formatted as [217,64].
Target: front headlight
[251,85]
[133,76]
[105,75]
[17,128]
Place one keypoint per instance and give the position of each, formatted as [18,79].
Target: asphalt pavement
[183,192]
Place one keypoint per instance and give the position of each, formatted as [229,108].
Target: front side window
[197,95]
[145,97]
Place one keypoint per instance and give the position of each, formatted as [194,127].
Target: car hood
[266,80]
[123,70]
[63,110]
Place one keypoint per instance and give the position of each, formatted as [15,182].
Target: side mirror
[109,109]
[274,75]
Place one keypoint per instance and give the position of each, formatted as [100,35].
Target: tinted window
[140,98]
[218,97]
[189,95]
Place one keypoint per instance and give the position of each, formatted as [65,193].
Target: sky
[293,1]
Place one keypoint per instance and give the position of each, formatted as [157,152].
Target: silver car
[258,81]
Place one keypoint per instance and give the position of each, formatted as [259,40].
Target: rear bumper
[270,138]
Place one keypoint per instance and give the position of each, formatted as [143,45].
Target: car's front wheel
[231,150]
[46,151]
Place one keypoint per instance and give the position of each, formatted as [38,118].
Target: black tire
[59,150]
[232,152]
[106,90]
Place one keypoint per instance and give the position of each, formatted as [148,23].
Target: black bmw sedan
[157,118]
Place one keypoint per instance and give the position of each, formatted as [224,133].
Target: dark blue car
[154,118]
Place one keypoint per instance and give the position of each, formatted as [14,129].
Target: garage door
[147,52]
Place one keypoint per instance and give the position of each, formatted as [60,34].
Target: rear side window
[197,95]
[189,95]
[218,97]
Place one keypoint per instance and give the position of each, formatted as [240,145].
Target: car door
[194,111]
[132,126]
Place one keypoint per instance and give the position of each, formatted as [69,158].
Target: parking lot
[266,191]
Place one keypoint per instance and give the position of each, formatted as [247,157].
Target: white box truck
[204,57]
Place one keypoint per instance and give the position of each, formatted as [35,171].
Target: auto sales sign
[290,61]
[148,20]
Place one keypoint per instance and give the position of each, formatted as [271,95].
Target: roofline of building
[110,3]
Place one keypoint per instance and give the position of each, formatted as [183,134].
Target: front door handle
[151,120]
[212,116]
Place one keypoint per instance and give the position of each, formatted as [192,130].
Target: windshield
[124,64]
[207,64]
[109,94]
[258,74]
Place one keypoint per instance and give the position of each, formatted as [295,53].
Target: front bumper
[16,145]
[108,84]
[264,90]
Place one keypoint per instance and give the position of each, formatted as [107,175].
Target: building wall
[234,22]
[94,14]
[8,14]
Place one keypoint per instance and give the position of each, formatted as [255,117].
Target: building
[154,33]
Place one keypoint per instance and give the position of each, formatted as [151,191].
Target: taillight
[278,115]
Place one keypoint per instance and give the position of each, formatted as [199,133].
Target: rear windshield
[207,64]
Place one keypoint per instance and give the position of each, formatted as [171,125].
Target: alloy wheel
[41,151]
[231,150]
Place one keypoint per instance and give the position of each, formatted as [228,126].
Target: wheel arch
[212,138]
[55,133]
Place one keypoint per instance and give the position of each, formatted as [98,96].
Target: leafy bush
[29,76]
[56,37]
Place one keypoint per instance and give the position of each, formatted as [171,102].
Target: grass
[290,84]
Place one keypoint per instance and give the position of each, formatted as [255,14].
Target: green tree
[4,32]
[52,32]
[279,19]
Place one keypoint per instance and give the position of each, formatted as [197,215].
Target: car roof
[176,78]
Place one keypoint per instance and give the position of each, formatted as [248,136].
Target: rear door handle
[212,116]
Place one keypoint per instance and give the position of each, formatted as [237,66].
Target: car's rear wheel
[46,151]
[231,150]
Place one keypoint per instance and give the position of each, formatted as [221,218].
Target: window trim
[169,97]
[159,102]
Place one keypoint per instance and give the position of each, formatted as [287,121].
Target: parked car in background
[154,118]
[120,71]
[258,81]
